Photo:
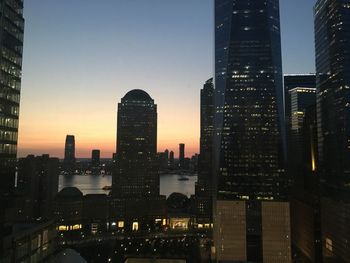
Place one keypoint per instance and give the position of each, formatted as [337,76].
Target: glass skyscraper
[136,175]
[332,43]
[11,47]
[251,215]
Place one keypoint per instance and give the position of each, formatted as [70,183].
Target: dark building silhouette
[182,156]
[11,45]
[171,160]
[203,189]
[251,214]
[37,185]
[205,174]
[69,150]
[69,162]
[332,43]
[136,174]
[95,157]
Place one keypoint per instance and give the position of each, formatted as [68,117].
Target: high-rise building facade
[251,214]
[171,160]
[182,155]
[332,43]
[37,186]
[203,189]
[301,123]
[69,161]
[136,174]
[205,178]
[11,46]
[95,157]
[69,150]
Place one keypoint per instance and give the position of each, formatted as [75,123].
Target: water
[91,184]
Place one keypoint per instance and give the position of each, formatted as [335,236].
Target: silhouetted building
[136,174]
[205,174]
[332,38]
[203,189]
[37,185]
[162,161]
[251,213]
[181,155]
[95,157]
[95,220]
[68,210]
[69,154]
[11,46]
[171,160]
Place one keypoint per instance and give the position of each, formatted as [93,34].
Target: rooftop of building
[137,95]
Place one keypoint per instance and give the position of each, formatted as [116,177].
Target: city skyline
[59,61]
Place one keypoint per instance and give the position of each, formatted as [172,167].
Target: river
[91,184]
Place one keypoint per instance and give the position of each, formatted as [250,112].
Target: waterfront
[91,184]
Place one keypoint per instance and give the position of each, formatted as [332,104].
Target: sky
[81,57]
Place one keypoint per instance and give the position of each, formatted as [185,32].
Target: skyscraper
[69,155]
[204,185]
[332,43]
[171,160]
[11,46]
[95,157]
[292,81]
[182,155]
[69,150]
[206,139]
[37,186]
[251,215]
[301,126]
[135,174]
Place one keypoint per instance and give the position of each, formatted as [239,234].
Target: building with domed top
[135,174]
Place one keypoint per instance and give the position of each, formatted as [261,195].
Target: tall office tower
[205,179]
[300,99]
[11,47]
[251,214]
[203,188]
[292,81]
[95,157]
[69,154]
[182,155]
[302,155]
[332,43]
[171,160]
[135,174]
[69,150]
[37,186]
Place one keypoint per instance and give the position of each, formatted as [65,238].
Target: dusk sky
[82,56]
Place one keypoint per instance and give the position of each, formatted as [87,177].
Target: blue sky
[82,56]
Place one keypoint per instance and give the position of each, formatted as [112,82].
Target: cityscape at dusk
[188,131]
[81,57]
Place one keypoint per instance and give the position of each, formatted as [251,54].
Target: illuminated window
[120,224]
[62,228]
[329,244]
[76,227]
[135,226]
